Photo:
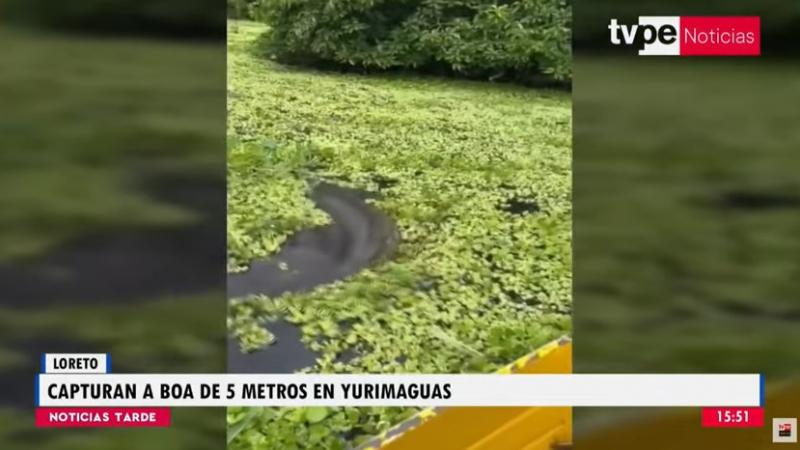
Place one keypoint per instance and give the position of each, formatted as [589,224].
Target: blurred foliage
[477,177]
[87,116]
[686,220]
[137,343]
[687,216]
[242,9]
[86,123]
[190,429]
[522,40]
[161,17]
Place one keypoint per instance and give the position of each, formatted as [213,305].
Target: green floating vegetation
[268,200]
[476,177]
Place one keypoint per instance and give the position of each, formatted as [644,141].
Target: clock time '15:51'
[728,416]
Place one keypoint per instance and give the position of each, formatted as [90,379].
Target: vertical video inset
[399,197]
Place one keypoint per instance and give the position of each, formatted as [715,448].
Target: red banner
[733,417]
[102,417]
[720,36]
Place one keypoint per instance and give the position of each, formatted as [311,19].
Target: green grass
[471,286]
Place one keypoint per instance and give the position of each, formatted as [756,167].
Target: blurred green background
[686,210]
[112,137]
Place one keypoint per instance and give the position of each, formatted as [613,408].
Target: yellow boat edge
[559,355]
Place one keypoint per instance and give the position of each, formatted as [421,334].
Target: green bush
[526,40]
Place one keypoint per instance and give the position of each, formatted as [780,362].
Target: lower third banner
[102,417]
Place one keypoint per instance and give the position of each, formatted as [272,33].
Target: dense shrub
[148,17]
[521,39]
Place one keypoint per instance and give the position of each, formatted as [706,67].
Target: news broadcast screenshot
[399,225]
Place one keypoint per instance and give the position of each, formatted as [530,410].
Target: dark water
[129,264]
[358,236]
[286,355]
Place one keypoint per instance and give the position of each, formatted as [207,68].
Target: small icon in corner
[784,430]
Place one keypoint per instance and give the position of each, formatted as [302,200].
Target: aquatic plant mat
[476,178]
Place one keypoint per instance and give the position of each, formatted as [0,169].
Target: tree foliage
[526,40]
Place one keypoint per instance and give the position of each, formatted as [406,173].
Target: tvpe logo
[784,430]
[690,36]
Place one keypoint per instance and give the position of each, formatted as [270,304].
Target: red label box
[102,417]
[720,36]
[733,417]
